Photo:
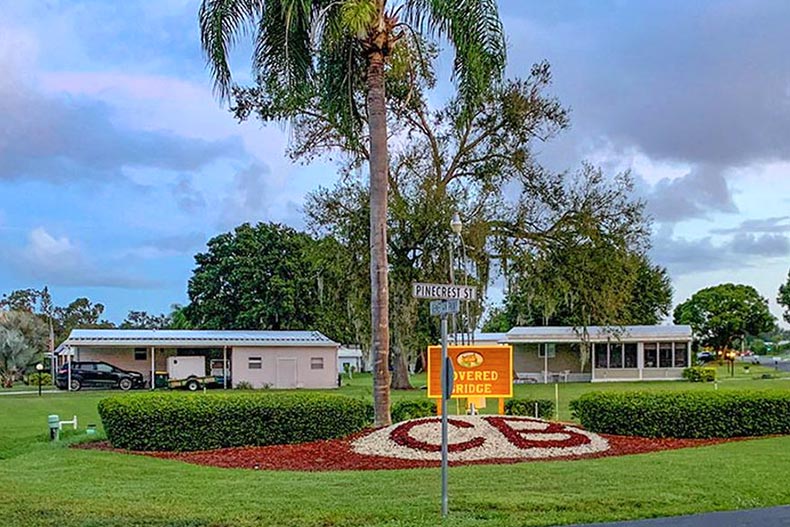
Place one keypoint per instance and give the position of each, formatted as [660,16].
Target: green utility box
[160,379]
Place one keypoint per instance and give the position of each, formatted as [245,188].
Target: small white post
[153,368]
[557,402]
[224,367]
[545,363]
[70,352]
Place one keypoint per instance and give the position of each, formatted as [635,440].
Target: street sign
[479,371]
[445,307]
[443,291]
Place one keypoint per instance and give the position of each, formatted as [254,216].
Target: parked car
[98,374]
[705,356]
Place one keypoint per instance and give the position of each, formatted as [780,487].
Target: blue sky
[117,163]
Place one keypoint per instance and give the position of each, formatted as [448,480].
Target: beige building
[624,353]
[264,359]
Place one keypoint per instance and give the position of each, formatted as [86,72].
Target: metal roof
[480,336]
[194,338]
[349,353]
[598,333]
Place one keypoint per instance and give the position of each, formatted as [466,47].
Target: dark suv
[99,374]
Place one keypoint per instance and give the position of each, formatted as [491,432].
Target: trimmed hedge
[32,379]
[412,409]
[685,414]
[183,421]
[527,407]
[699,374]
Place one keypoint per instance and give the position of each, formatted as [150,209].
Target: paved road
[772,517]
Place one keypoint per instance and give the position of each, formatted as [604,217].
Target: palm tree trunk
[379,287]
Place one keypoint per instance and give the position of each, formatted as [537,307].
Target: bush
[183,421]
[32,379]
[527,407]
[243,385]
[699,374]
[685,414]
[405,410]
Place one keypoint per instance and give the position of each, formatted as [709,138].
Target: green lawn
[42,484]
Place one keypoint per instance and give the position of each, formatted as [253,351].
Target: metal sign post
[445,397]
[448,297]
[444,308]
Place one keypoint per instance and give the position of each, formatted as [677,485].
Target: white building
[624,353]
[275,359]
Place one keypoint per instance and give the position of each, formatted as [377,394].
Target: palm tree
[329,57]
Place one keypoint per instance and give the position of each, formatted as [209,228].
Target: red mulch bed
[336,454]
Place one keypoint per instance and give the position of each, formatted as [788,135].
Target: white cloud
[57,260]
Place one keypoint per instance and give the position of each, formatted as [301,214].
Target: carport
[279,359]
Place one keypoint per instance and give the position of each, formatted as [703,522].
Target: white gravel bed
[490,442]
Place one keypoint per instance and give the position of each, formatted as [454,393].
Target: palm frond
[283,54]
[222,23]
[474,29]
[341,75]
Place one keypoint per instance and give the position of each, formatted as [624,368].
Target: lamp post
[39,369]
[456,226]
[731,357]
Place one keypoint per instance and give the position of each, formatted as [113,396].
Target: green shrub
[32,379]
[685,414]
[405,410]
[699,374]
[527,407]
[243,385]
[184,421]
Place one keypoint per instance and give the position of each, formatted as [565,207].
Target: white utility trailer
[190,372]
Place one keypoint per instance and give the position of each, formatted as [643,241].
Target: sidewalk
[29,392]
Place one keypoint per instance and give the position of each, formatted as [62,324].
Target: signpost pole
[445,396]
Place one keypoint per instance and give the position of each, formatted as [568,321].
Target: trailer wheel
[192,385]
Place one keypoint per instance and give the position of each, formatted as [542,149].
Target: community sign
[479,371]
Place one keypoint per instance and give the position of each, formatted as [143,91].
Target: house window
[681,355]
[254,363]
[547,350]
[316,363]
[140,354]
[615,355]
[629,354]
[665,355]
[601,356]
[651,355]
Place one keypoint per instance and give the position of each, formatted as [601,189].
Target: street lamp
[456,225]
[39,369]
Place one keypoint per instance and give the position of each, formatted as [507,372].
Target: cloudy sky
[117,164]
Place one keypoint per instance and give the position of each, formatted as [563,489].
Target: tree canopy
[145,320]
[627,290]
[720,314]
[266,276]
[783,298]
[23,340]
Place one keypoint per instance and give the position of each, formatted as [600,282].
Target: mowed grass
[42,484]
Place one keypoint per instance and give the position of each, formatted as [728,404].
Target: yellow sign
[479,371]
